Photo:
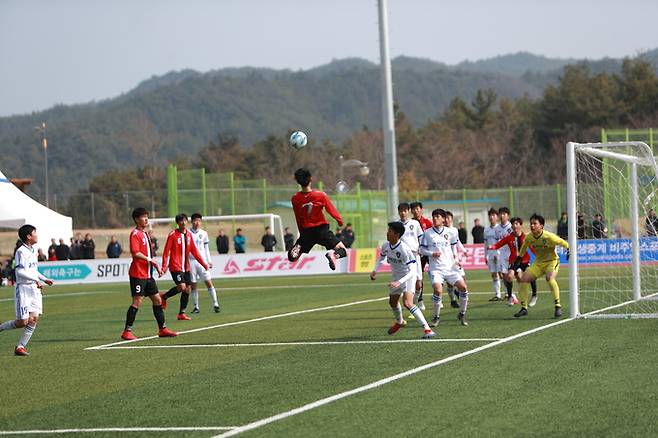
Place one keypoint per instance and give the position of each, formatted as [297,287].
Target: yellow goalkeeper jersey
[543,246]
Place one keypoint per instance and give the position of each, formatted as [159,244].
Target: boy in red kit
[142,282]
[313,227]
[176,258]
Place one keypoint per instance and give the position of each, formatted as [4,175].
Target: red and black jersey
[514,243]
[308,209]
[140,243]
[425,223]
[177,252]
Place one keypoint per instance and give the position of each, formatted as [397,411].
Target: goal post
[613,267]
[274,221]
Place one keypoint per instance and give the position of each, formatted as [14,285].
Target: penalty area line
[381,382]
[302,343]
[117,429]
[245,321]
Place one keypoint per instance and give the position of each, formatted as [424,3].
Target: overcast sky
[71,51]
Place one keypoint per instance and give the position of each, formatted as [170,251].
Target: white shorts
[408,286]
[492,261]
[28,299]
[451,276]
[197,272]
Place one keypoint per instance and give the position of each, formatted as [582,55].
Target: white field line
[287,344]
[245,321]
[378,383]
[116,429]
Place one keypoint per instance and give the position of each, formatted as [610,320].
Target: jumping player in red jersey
[142,282]
[514,241]
[313,227]
[176,258]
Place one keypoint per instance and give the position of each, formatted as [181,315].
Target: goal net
[612,190]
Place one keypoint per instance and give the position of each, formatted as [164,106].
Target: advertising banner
[363,260]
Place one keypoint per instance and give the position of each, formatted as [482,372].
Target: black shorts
[144,287]
[320,235]
[522,267]
[181,277]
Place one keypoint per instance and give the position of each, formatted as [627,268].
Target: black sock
[184,298]
[508,285]
[171,293]
[130,317]
[340,253]
[533,285]
[159,316]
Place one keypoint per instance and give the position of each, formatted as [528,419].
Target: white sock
[25,337]
[195,298]
[496,287]
[463,301]
[8,325]
[415,311]
[397,313]
[213,296]
[436,303]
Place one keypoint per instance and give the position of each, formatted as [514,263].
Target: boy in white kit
[402,261]
[28,299]
[439,244]
[197,271]
[411,237]
[461,252]
[492,256]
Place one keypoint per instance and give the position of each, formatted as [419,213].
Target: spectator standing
[347,236]
[339,234]
[75,251]
[41,257]
[580,226]
[113,250]
[463,235]
[52,257]
[288,239]
[651,223]
[62,252]
[222,242]
[563,226]
[477,232]
[599,230]
[239,241]
[88,247]
[268,241]
[53,245]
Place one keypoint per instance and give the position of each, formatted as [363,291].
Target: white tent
[16,209]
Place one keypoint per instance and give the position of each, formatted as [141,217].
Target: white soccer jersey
[26,266]
[202,244]
[502,231]
[412,233]
[401,259]
[439,240]
[490,237]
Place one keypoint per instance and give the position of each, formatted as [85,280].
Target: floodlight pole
[388,125]
[44,142]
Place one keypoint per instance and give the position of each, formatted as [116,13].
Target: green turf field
[284,343]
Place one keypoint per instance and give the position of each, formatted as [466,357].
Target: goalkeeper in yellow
[546,262]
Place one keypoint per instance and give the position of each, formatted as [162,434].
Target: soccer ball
[298,139]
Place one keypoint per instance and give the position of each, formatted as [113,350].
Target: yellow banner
[364,260]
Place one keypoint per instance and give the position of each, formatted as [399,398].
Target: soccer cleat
[454,304]
[183,317]
[21,351]
[435,321]
[428,334]
[196,310]
[166,333]
[558,312]
[462,318]
[394,328]
[522,312]
[511,301]
[411,316]
[533,301]
[128,335]
[164,301]
[331,257]
[495,298]
[217,309]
